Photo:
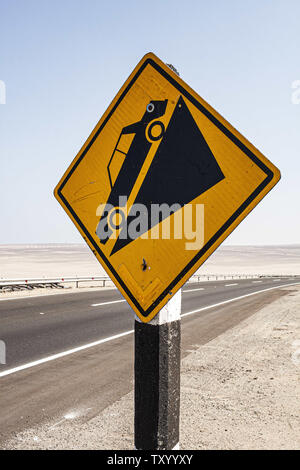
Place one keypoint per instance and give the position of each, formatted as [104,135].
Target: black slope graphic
[182,169]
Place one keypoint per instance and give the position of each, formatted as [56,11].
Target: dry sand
[20,261]
[49,261]
[239,391]
[278,260]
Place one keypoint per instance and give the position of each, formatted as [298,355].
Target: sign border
[272,175]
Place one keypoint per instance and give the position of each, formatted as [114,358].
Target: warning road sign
[162,180]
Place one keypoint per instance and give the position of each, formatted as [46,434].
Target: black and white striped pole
[157,379]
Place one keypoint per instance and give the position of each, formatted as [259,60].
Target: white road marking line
[193,290]
[111,338]
[63,354]
[256,281]
[71,415]
[235,284]
[108,303]
[236,298]
[277,280]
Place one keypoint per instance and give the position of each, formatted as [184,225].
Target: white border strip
[120,335]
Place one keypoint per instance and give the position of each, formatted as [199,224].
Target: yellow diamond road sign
[162,180]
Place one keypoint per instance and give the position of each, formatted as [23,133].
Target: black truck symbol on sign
[182,168]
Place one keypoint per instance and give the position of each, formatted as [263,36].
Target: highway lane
[38,327]
[93,378]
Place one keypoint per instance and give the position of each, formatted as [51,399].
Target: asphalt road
[35,328]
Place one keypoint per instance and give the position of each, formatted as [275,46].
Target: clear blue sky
[63,62]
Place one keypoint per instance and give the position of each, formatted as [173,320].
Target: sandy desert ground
[59,260]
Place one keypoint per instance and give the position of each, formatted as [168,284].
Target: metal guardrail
[57,282]
[224,277]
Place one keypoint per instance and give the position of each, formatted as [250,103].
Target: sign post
[157,379]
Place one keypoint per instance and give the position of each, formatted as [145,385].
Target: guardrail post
[157,379]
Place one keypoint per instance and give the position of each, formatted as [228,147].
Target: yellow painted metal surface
[150,269]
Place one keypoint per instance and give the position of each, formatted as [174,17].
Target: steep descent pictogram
[182,168]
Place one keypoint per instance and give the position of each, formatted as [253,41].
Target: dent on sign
[157,155]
